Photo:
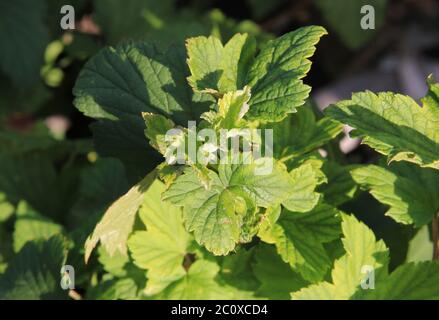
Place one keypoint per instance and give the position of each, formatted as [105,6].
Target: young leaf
[216,68]
[232,107]
[275,77]
[395,125]
[362,249]
[118,220]
[410,191]
[162,247]
[299,239]
[156,128]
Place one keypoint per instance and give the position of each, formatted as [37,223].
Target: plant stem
[435,235]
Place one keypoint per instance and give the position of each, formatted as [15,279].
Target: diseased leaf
[210,214]
[217,215]
[395,125]
[411,192]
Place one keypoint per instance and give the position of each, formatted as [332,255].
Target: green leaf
[362,249]
[117,223]
[16,142]
[217,68]
[410,191]
[344,17]
[114,289]
[34,273]
[236,269]
[395,125]
[411,281]
[132,20]
[211,214]
[32,177]
[276,75]
[30,226]
[118,84]
[6,208]
[340,186]
[266,188]
[99,186]
[218,214]
[23,38]
[115,264]
[420,246]
[301,133]
[162,247]
[299,239]
[198,284]
[276,277]
[303,197]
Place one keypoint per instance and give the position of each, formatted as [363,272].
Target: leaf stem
[435,235]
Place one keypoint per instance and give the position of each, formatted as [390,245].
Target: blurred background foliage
[52,180]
